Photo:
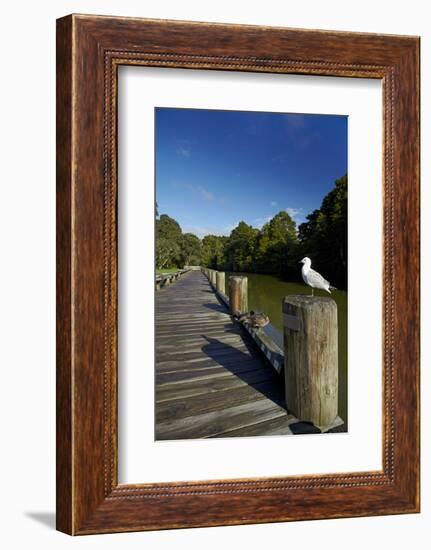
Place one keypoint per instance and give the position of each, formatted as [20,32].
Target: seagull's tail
[331,288]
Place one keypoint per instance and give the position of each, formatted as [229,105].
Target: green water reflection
[265,293]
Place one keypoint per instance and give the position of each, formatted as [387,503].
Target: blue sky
[217,168]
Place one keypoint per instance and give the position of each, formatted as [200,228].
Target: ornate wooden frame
[89,51]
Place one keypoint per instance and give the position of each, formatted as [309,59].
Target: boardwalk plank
[220,401]
[190,375]
[230,364]
[218,422]
[275,426]
[203,387]
[211,379]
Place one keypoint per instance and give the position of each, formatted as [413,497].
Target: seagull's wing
[316,279]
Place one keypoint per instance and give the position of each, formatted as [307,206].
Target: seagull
[314,279]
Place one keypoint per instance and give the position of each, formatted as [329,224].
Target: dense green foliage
[324,236]
[190,249]
[276,248]
[173,248]
[168,239]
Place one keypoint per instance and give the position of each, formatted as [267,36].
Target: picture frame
[89,51]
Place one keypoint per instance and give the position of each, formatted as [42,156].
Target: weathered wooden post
[238,294]
[310,330]
[214,278]
[157,284]
[220,281]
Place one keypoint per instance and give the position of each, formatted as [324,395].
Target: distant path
[211,380]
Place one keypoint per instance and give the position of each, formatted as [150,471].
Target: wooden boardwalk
[211,379]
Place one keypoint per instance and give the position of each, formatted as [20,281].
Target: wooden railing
[306,350]
[268,338]
[165,279]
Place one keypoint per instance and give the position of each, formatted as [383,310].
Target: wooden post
[311,358]
[157,284]
[214,278]
[238,295]
[220,281]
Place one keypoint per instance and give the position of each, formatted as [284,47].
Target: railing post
[238,294]
[220,281]
[310,329]
[214,278]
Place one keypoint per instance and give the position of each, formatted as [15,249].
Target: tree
[276,248]
[213,251]
[324,236]
[190,249]
[277,245]
[241,247]
[168,241]
[167,251]
[168,228]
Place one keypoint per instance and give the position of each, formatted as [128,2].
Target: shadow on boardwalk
[211,380]
[264,381]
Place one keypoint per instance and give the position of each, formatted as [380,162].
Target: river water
[266,292]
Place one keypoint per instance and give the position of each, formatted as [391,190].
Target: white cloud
[230,227]
[260,222]
[202,231]
[184,152]
[297,214]
[204,193]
